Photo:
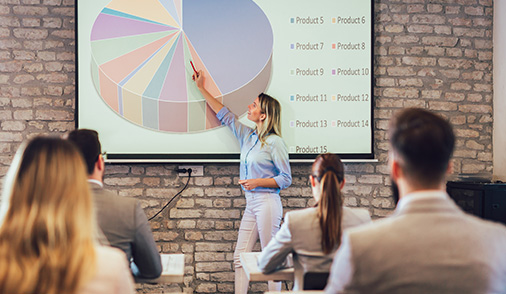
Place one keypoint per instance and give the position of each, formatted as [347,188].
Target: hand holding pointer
[198,77]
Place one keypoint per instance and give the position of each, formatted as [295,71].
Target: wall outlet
[197,170]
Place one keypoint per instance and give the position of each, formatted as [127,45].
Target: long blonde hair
[272,110]
[329,171]
[46,238]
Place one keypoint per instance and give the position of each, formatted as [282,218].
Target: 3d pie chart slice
[141,53]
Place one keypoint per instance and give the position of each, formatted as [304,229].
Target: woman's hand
[249,184]
[253,183]
[199,79]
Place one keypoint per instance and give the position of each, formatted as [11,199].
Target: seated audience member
[313,234]
[47,233]
[121,219]
[429,245]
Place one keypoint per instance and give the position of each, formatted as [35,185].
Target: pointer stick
[196,73]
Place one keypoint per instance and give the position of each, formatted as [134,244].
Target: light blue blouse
[269,161]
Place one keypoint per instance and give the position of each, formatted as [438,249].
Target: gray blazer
[300,234]
[428,246]
[126,227]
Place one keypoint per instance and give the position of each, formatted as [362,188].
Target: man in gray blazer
[429,245]
[121,219]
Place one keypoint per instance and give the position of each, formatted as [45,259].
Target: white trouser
[261,218]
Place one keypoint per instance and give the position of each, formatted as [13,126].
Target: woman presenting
[264,171]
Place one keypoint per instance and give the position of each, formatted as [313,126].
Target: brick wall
[431,54]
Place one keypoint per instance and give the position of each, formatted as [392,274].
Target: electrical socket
[197,170]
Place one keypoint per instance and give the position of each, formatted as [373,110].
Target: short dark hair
[424,142]
[88,144]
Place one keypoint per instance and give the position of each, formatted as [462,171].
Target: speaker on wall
[481,198]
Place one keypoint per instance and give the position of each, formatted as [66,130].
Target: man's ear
[100,163]
[395,169]
[449,169]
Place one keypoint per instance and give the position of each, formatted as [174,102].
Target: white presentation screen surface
[135,66]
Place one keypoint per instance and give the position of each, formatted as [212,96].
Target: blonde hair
[329,171]
[46,238]
[272,110]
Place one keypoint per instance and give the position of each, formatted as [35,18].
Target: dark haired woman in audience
[314,234]
[47,230]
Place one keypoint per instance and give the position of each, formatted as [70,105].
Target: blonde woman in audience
[47,229]
[314,234]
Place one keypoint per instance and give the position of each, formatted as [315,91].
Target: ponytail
[330,212]
[329,171]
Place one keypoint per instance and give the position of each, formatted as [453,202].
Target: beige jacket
[300,234]
[112,275]
[428,246]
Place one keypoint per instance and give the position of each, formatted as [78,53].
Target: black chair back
[315,281]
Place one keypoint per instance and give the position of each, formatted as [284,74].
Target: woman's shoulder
[107,250]
[111,254]
[274,140]
[112,273]
[303,222]
[301,214]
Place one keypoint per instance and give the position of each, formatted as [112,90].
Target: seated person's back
[303,230]
[47,234]
[126,227]
[305,234]
[121,219]
[429,245]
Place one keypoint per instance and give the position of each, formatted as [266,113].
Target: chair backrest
[315,281]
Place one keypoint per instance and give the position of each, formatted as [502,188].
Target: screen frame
[225,157]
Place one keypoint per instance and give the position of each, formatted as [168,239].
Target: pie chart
[141,52]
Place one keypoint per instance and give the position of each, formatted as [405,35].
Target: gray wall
[431,54]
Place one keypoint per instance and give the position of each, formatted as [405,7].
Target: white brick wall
[431,54]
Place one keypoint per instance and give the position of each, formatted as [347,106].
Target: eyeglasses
[104,155]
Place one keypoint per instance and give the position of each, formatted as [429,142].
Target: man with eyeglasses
[121,219]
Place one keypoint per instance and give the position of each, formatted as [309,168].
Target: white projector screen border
[314,65]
